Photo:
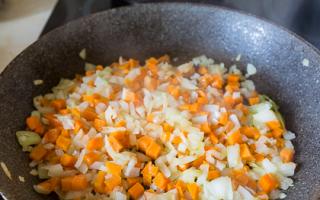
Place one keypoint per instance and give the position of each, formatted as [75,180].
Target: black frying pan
[180,30]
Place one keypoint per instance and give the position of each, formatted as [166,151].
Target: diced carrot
[113,168]
[112,182]
[176,140]
[98,124]
[213,174]
[79,182]
[167,127]
[243,108]
[280,143]
[160,181]
[194,107]
[63,142]
[183,167]
[49,185]
[133,63]
[231,87]
[99,68]
[241,178]
[202,70]
[120,123]
[151,61]
[53,121]
[217,81]
[88,98]
[91,157]
[89,72]
[150,83]
[196,163]
[136,191]
[229,101]
[90,83]
[116,145]
[128,96]
[71,183]
[65,133]
[184,107]
[148,172]
[98,183]
[75,112]
[174,91]
[274,124]
[51,157]
[259,157]
[64,111]
[132,181]
[245,153]
[250,132]
[277,133]
[95,144]
[78,78]
[207,148]
[252,184]
[122,137]
[133,85]
[223,118]
[150,117]
[151,64]
[194,190]
[164,58]
[67,160]
[252,147]
[89,114]
[233,78]
[213,138]
[235,138]
[181,187]
[77,125]
[153,150]
[58,104]
[202,100]
[205,127]
[173,80]
[186,96]
[139,164]
[170,186]
[268,182]
[205,80]
[229,126]
[253,100]
[51,135]
[153,170]
[144,142]
[286,154]
[34,123]
[38,152]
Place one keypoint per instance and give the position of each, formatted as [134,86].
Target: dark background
[299,16]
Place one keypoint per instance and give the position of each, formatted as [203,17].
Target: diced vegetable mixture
[157,131]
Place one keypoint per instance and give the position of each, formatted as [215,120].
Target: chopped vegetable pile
[158,131]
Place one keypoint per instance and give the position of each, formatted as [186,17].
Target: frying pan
[183,31]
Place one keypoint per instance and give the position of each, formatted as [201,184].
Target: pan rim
[166,4]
